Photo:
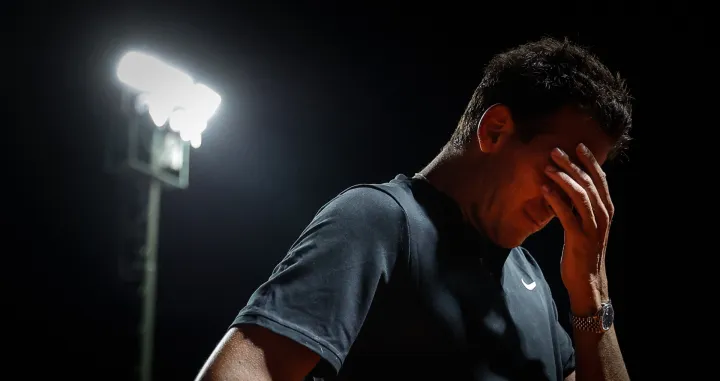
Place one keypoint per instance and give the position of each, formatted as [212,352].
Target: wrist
[587,302]
[586,305]
[586,298]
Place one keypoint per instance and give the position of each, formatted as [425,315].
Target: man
[424,278]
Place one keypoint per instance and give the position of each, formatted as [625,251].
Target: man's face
[516,208]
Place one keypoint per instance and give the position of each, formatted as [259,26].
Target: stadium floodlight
[171,98]
[169,95]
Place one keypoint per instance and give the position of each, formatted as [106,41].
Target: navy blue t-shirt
[389,283]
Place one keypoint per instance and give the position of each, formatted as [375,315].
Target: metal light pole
[149,281]
[180,110]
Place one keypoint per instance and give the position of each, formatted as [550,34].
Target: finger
[585,180]
[563,210]
[588,160]
[578,196]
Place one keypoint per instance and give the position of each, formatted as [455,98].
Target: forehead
[568,128]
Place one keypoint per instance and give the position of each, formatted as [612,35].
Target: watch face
[608,315]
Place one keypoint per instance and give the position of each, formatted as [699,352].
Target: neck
[460,176]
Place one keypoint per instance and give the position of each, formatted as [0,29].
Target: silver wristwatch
[598,323]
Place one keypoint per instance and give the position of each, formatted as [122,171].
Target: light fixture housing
[168,95]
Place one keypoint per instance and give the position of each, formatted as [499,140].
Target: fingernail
[551,169]
[546,188]
[582,148]
[558,152]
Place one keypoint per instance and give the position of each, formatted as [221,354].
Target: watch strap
[592,323]
[587,323]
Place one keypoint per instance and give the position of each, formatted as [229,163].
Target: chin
[510,236]
[511,239]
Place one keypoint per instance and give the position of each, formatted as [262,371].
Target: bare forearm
[598,356]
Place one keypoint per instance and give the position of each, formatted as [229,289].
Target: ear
[495,128]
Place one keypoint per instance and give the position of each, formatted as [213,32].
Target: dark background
[316,97]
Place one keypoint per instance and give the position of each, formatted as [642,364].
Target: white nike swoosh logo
[530,286]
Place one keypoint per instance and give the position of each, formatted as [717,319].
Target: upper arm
[254,353]
[319,295]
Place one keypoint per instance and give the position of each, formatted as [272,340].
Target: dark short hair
[539,78]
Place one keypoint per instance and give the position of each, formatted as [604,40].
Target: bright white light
[146,73]
[195,141]
[178,120]
[168,94]
[186,135]
[206,101]
[160,107]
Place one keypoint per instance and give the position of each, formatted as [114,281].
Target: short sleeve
[321,292]
[564,349]
[565,345]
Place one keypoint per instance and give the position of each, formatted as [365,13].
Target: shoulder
[363,216]
[368,205]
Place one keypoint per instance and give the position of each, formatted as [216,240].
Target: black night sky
[317,96]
